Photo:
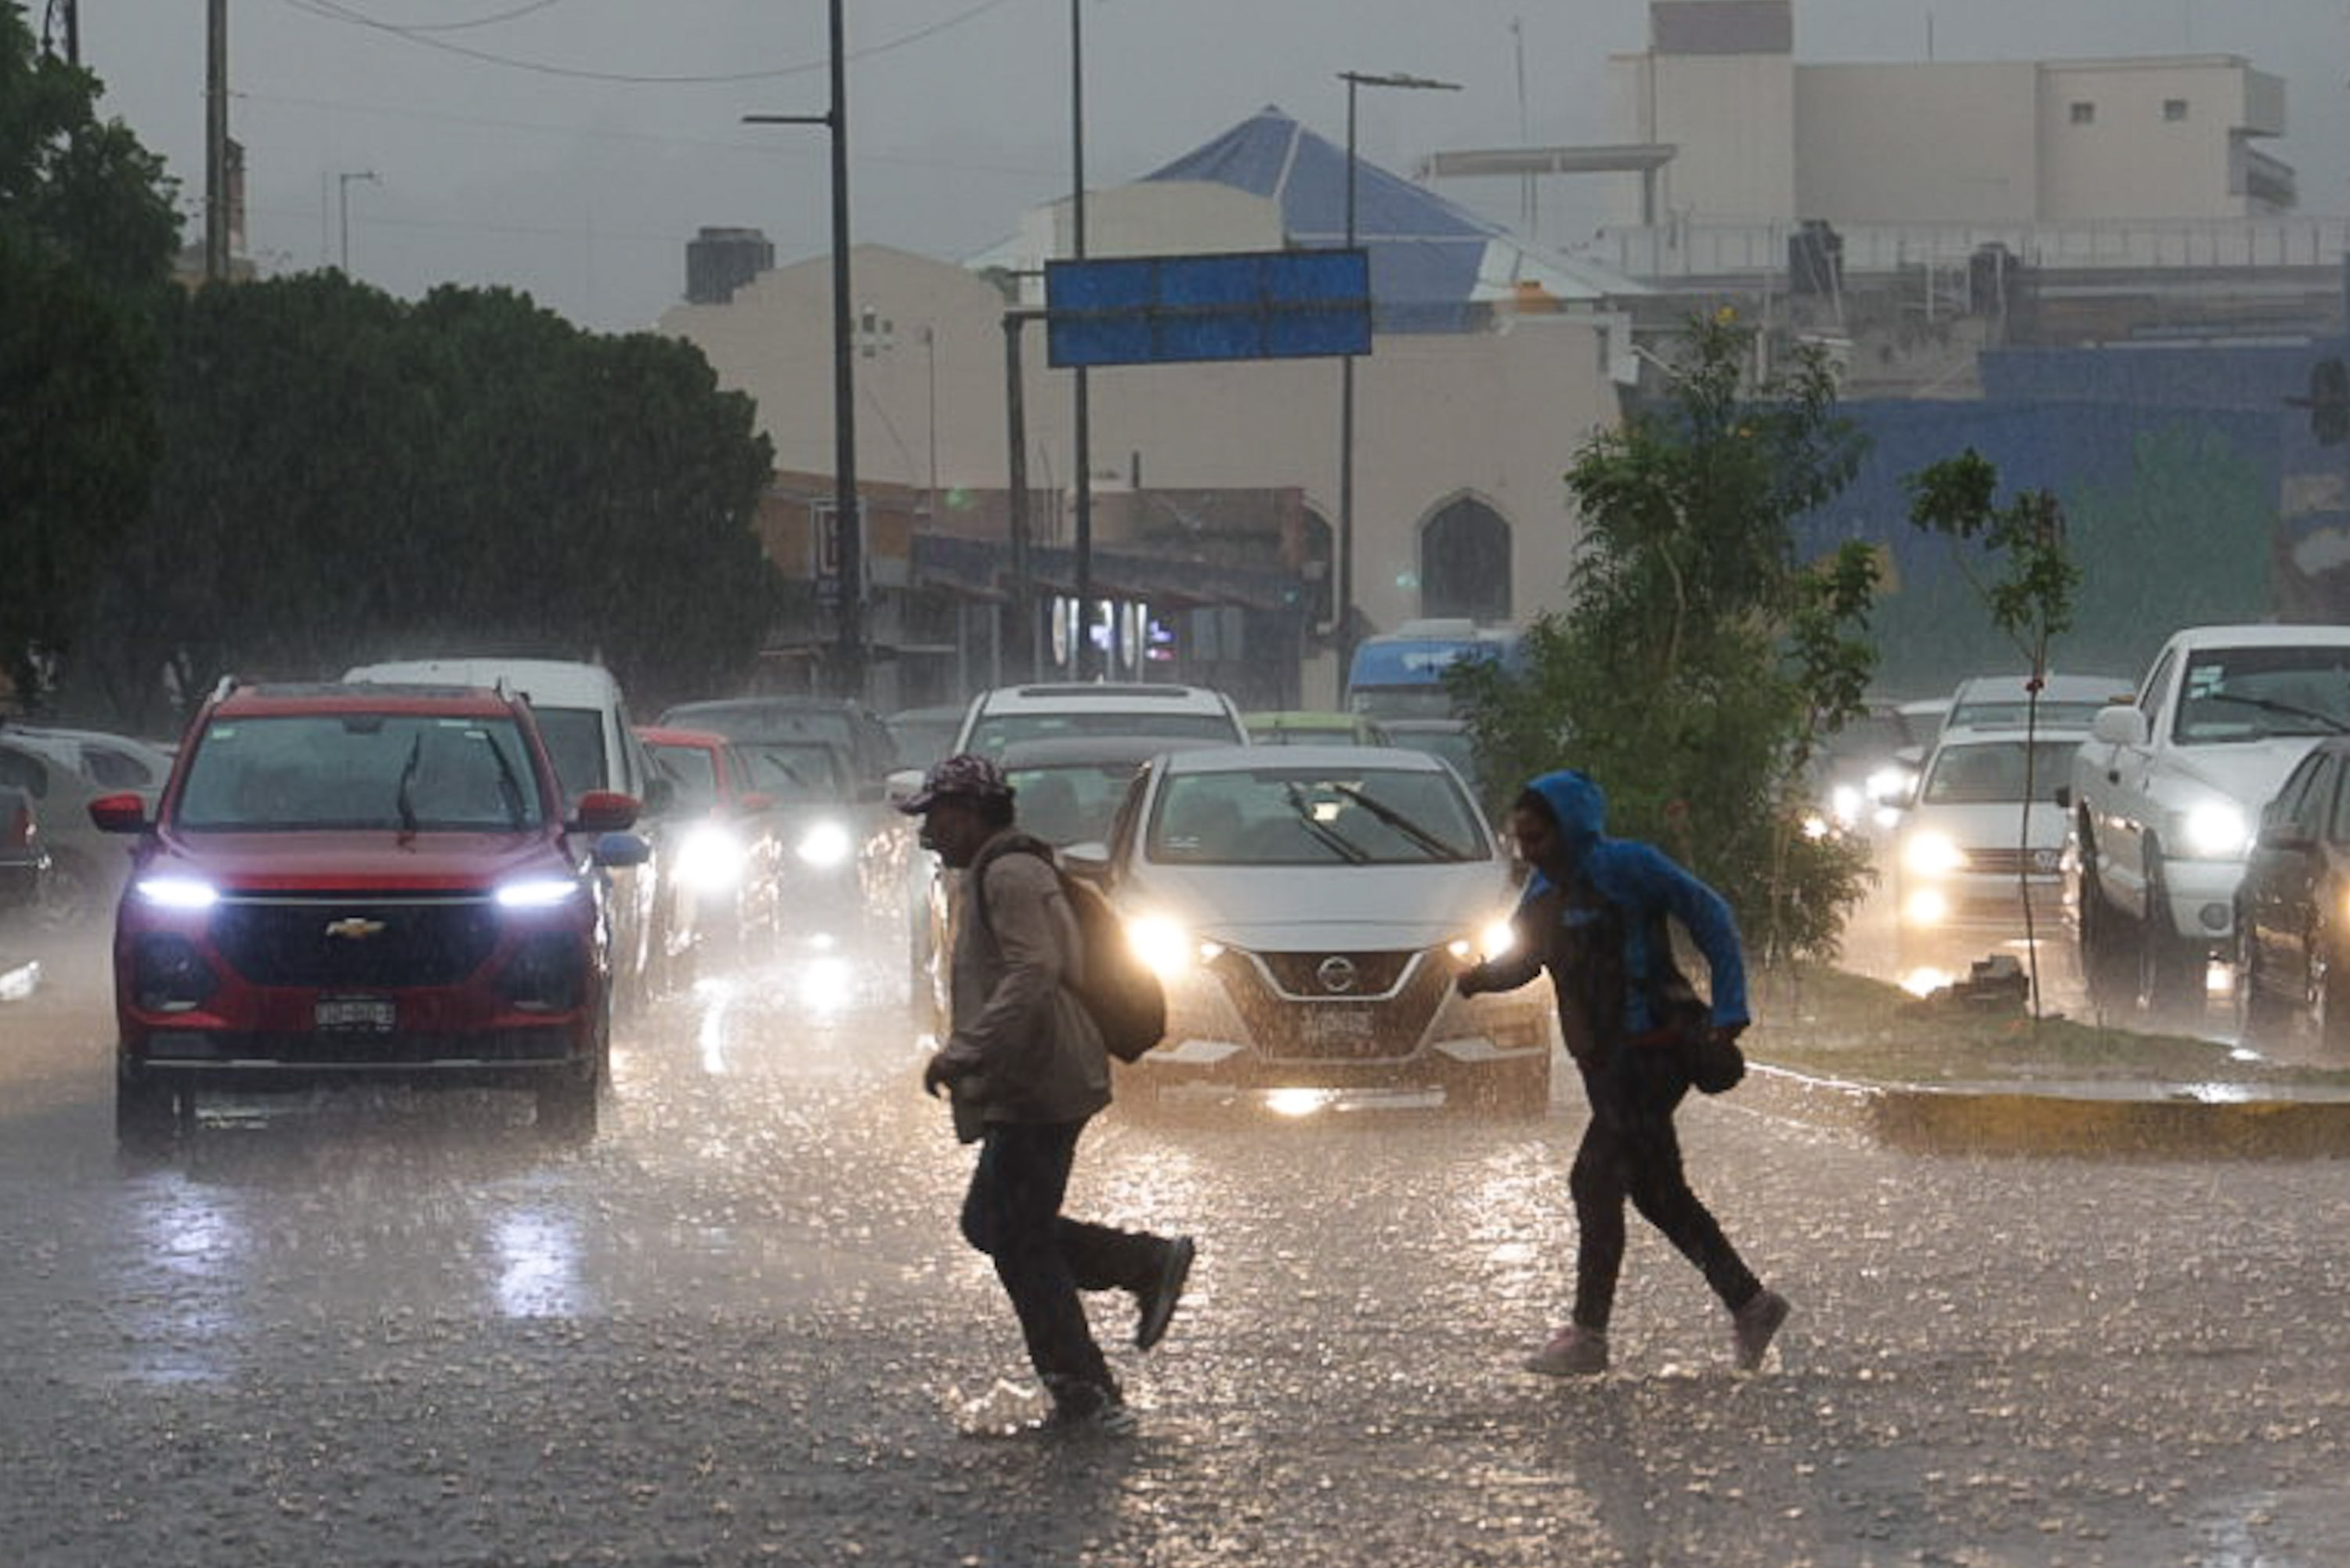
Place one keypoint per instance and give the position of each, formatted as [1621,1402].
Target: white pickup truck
[2167,790]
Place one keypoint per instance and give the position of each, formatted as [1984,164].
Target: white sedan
[1307,908]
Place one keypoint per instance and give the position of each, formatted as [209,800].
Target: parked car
[364,881]
[2292,907]
[1307,908]
[583,719]
[847,726]
[1978,852]
[725,879]
[1311,729]
[85,869]
[2166,791]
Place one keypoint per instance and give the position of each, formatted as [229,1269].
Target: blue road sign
[1248,305]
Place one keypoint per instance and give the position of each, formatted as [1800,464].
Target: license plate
[1339,1023]
[355,1014]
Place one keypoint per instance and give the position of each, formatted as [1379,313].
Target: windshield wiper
[1338,843]
[405,798]
[1437,849]
[2270,705]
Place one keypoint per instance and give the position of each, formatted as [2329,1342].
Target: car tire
[2106,945]
[2171,969]
[568,1104]
[146,1112]
[2260,1018]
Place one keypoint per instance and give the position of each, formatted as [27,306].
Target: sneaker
[1573,1352]
[1087,1409]
[1156,1300]
[1754,1326]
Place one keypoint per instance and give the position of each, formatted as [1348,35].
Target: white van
[583,717]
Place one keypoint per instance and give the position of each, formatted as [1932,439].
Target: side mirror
[124,813]
[622,849]
[2284,835]
[902,785]
[1090,859]
[2063,797]
[604,811]
[2119,726]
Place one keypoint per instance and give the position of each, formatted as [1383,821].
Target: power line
[333,11]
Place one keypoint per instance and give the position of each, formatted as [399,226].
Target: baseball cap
[966,775]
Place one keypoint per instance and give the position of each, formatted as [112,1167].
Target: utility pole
[846,518]
[216,141]
[1084,653]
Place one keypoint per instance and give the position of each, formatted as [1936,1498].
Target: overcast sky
[572,148]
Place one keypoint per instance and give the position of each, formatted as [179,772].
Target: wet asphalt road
[396,1330]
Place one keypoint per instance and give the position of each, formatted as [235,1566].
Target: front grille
[1368,974]
[329,941]
[2010,860]
[1320,1027]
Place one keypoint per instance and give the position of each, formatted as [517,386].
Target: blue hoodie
[1646,884]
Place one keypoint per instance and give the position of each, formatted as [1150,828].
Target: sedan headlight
[178,892]
[710,859]
[825,845]
[2214,830]
[1167,945]
[1928,854]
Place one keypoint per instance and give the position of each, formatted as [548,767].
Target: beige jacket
[1031,1052]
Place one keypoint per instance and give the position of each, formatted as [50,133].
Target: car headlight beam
[1167,945]
[710,859]
[178,892]
[2214,830]
[825,845]
[1930,853]
[537,892]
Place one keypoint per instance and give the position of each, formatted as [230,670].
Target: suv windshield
[2252,693]
[1303,816]
[994,732]
[402,771]
[794,772]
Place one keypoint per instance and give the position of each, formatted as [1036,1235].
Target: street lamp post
[1346,605]
[343,208]
[847,519]
[1083,541]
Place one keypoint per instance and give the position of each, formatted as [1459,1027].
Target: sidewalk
[2105,1120]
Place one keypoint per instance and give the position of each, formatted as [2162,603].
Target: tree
[87,238]
[2031,602]
[346,477]
[1698,661]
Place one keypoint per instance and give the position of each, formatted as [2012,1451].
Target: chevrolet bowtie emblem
[355,927]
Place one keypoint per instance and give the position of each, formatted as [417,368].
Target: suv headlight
[2214,830]
[178,892]
[1931,853]
[536,892]
[710,859]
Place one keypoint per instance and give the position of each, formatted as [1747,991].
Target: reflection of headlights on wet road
[1166,946]
[1927,907]
[1498,938]
[825,845]
[711,860]
[1932,855]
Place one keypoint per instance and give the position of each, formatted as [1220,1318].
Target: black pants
[1629,1150]
[1012,1213]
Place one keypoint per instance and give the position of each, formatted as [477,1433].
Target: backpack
[1116,989]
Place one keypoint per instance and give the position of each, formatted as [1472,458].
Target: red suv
[348,882]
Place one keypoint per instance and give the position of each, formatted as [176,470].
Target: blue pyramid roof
[1427,255]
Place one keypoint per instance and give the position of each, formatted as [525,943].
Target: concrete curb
[2223,1122]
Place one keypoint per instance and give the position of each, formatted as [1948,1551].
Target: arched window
[1464,563]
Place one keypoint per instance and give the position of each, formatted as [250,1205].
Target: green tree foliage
[346,476]
[1698,660]
[87,236]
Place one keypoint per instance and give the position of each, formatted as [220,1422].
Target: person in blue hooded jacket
[1595,914]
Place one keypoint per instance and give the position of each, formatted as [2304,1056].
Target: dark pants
[1629,1150]
[1012,1213]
